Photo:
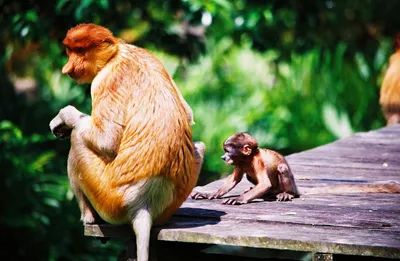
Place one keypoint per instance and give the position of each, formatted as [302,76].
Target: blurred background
[296,74]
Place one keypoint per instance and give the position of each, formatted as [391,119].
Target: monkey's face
[231,155]
[89,48]
[85,63]
[238,149]
[227,158]
[78,67]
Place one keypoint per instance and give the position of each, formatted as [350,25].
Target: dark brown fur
[266,169]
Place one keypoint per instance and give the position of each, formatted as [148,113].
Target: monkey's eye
[79,50]
[228,152]
[228,149]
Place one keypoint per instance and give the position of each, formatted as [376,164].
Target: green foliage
[41,220]
[292,105]
[295,74]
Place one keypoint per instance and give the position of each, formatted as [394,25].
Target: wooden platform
[354,224]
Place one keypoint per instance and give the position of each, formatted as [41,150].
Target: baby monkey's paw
[199,195]
[234,201]
[284,197]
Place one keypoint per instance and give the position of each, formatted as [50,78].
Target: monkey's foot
[91,218]
[210,196]
[284,197]
[199,148]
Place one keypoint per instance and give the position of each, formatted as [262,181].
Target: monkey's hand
[199,195]
[71,116]
[247,190]
[59,129]
[67,119]
[234,201]
[217,194]
[284,197]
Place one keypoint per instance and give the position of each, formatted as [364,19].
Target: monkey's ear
[246,150]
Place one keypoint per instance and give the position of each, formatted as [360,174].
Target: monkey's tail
[386,187]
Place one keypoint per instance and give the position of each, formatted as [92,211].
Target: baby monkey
[266,169]
[272,177]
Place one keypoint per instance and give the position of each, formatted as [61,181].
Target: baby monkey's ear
[246,150]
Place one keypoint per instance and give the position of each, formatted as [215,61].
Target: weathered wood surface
[354,224]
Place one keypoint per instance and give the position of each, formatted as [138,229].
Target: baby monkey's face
[230,154]
[238,148]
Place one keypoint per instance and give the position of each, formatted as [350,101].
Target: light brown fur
[390,89]
[132,160]
[273,179]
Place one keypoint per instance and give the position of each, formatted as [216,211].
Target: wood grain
[352,224]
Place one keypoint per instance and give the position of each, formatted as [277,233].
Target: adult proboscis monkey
[132,160]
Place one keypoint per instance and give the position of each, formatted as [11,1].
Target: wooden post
[129,253]
[322,257]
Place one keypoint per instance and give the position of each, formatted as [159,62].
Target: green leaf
[31,16]
[42,160]
[268,16]
[7,128]
[51,202]
[381,56]
[60,5]
[362,65]
[337,123]
[104,4]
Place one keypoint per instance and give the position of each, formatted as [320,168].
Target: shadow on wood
[363,225]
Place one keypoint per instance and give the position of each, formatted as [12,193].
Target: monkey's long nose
[223,157]
[68,67]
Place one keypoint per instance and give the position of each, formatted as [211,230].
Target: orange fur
[390,89]
[132,159]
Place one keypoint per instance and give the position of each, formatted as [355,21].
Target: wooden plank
[317,214]
[376,164]
[328,212]
[341,160]
[266,235]
[352,224]
[367,146]
[322,257]
[369,210]
[341,175]
[329,175]
[353,149]
[306,179]
[364,155]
